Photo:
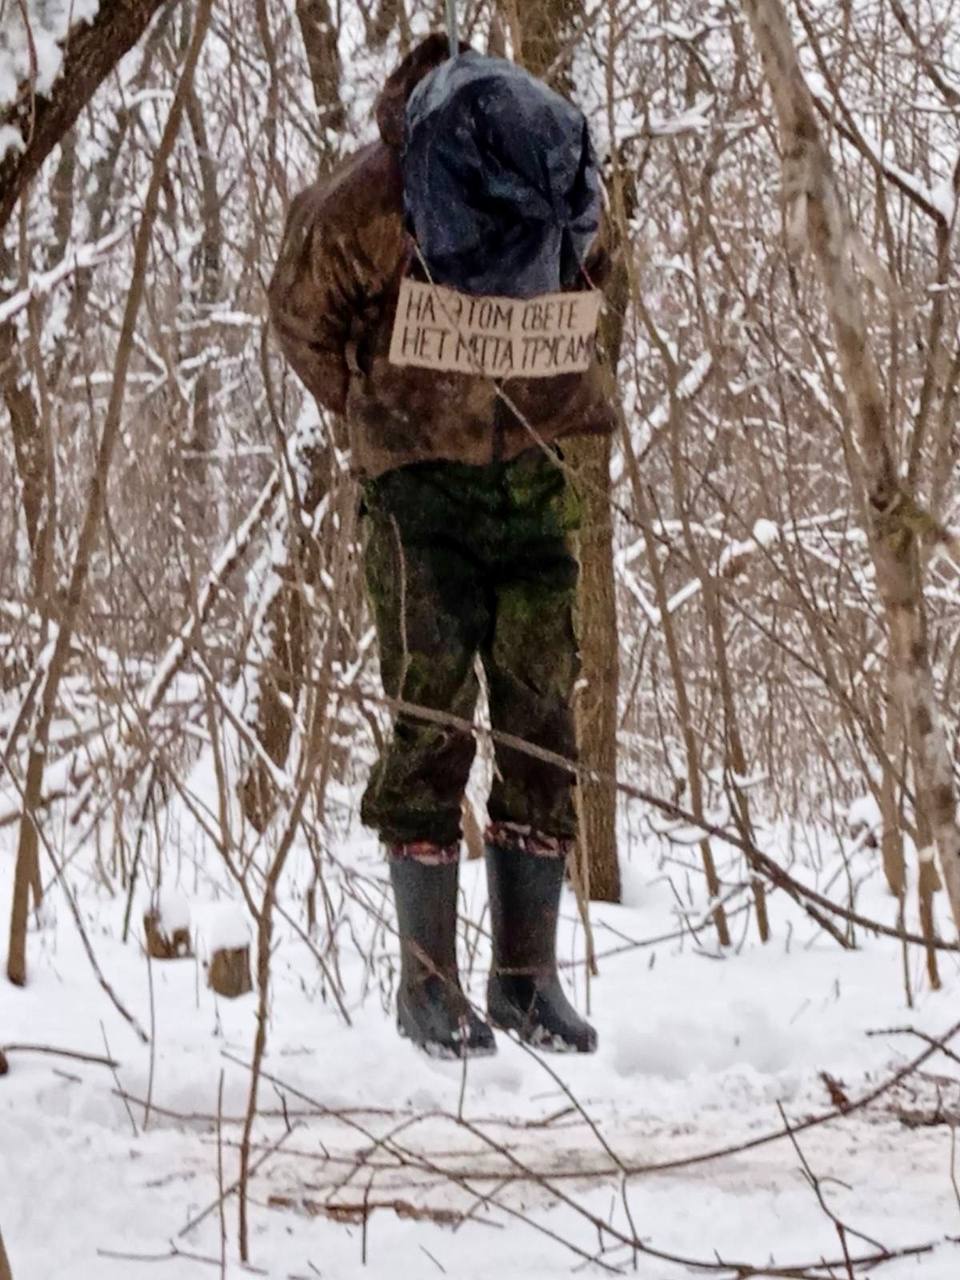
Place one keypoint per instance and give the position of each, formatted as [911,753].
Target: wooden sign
[439,328]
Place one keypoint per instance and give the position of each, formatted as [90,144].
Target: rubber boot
[432,1010]
[524,992]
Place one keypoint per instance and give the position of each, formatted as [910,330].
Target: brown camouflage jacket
[333,300]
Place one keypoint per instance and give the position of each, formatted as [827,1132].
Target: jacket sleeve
[310,300]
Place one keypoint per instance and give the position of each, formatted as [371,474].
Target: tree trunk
[281,653]
[279,682]
[891,840]
[26,873]
[323,58]
[279,644]
[31,449]
[895,523]
[200,509]
[596,701]
[544,30]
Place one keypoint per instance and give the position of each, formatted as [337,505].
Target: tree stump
[229,973]
[164,943]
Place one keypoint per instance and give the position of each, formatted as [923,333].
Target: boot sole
[444,1052]
[538,1037]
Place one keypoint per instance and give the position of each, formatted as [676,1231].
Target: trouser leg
[532,664]
[430,614]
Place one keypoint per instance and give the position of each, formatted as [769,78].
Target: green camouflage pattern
[463,560]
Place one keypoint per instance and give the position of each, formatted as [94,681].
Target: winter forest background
[763,914]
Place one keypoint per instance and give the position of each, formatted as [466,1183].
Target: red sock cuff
[525,839]
[425,851]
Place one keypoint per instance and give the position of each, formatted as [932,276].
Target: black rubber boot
[524,992]
[432,1010]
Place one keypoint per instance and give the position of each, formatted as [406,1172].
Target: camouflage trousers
[465,560]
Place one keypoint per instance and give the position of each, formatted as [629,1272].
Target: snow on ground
[696,1054]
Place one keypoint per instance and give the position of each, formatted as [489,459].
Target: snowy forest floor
[375,1160]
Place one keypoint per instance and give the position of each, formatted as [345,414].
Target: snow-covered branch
[44,282]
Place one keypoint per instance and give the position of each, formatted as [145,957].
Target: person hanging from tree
[484,181]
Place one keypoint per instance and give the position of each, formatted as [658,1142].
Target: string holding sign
[440,328]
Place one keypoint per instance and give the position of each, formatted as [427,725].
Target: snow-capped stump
[228,938]
[166,927]
[229,973]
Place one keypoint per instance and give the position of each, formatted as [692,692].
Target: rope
[452,28]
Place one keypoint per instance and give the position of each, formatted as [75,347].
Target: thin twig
[116,1079]
[76,1054]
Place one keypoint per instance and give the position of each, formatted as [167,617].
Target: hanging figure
[480,205]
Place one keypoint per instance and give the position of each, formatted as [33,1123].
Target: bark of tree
[323,58]
[391,15]
[36,468]
[229,973]
[896,525]
[543,30]
[200,441]
[280,680]
[596,701]
[92,51]
[29,448]
[891,842]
